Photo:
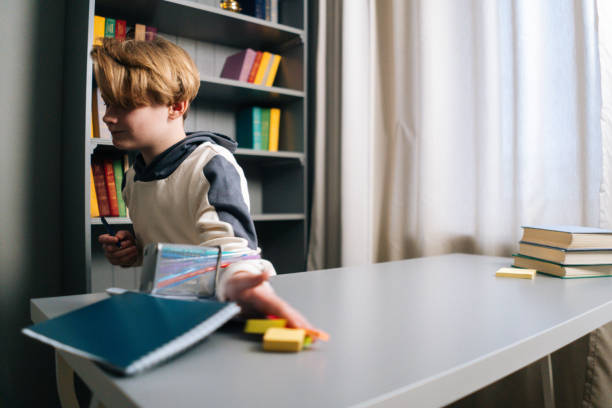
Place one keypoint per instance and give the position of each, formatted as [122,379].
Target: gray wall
[31,51]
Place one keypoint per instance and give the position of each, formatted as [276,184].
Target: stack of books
[106,178]
[258,128]
[566,251]
[252,66]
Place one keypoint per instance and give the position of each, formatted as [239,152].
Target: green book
[118,170]
[109,28]
[248,128]
[265,128]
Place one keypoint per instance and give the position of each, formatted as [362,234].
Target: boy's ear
[177,109]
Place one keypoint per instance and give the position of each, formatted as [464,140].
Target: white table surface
[420,332]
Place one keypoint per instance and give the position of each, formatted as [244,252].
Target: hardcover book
[93,200]
[238,66]
[566,256]
[118,172]
[265,128]
[563,271]
[100,186]
[255,67]
[98,30]
[274,129]
[109,28]
[110,187]
[120,29]
[568,236]
[271,75]
[248,128]
[263,67]
[132,332]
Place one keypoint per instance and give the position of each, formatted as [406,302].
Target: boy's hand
[252,295]
[126,255]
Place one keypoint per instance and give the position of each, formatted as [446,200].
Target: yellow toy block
[281,339]
[516,273]
[259,326]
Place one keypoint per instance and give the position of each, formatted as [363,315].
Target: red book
[111,190]
[120,29]
[255,66]
[100,186]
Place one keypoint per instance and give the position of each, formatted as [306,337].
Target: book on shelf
[255,66]
[126,167]
[568,236]
[273,11]
[248,128]
[140,32]
[120,29]
[132,332]
[100,186]
[98,30]
[109,178]
[560,270]
[150,33]
[93,200]
[109,28]
[566,256]
[271,74]
[238,66]
[265,128]
[263,9]
[274,129]
[263,67]
[118,173]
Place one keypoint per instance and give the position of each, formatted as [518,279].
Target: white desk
[421,332]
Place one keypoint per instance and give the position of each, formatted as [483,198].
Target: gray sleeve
[225,195]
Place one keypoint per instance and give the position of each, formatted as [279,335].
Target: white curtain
[462,121]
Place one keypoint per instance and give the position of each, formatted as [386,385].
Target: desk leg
[547,382]
[65,382]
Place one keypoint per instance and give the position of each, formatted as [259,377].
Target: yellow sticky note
[281,339]
[516,273]
[259,326]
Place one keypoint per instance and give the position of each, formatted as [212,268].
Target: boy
[185,189]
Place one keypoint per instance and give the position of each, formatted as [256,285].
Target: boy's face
[137,129]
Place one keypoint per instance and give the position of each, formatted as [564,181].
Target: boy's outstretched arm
[255,295]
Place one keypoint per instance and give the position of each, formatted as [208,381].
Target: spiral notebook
[132,332]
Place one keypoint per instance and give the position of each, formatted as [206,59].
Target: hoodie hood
[165,163]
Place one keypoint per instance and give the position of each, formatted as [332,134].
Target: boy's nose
[109,117]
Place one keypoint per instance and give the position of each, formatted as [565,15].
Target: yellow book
[516,273]
[274,129]
[259,326]
[273,69]
[281,339]
[93,201]
[139,34]
[98,32]
[263,66]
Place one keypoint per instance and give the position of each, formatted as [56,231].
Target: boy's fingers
[123,234]
[107,239]
[243,281]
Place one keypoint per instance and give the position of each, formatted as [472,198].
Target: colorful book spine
[269,80]
[109,28]
[98,31]
[118,172]
[255,67]
[126,167]
[150,33]
[248,128]
[238,66]
[100,186]
[109,178]
[120,29]
[93,200]
[265,128]
[274,11]
[140,32]
[274,129]
[263,67]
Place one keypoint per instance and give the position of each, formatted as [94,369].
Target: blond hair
[135,73]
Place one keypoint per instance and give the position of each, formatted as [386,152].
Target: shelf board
[278,217]
[202,22]
[111,220]
[241,93]
[256,217]
[260,154]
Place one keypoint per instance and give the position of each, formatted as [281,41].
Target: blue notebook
[132,332]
